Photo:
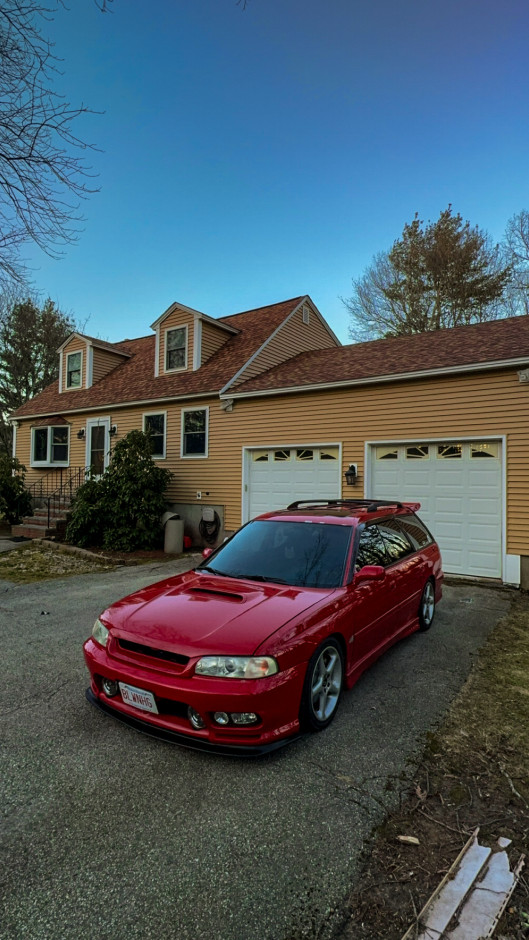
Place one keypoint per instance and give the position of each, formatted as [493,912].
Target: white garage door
[459,487]
[279,476]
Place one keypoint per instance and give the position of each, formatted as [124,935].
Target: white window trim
[147,414]
[74,388]
[48,462]
[170,329]
[182,431]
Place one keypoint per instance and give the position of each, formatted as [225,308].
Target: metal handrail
[58,484]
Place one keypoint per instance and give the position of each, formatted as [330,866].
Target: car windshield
[305,554]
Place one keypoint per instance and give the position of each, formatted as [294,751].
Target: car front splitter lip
[183,740]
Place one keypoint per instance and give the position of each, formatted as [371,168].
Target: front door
[97,445]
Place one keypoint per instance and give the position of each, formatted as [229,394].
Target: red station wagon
[256,644]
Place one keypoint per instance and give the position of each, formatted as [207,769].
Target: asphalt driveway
[108,834]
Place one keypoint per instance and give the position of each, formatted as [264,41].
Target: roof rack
[370,505]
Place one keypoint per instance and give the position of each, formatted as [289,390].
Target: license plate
[138,698]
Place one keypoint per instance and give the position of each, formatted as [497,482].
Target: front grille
[152,652]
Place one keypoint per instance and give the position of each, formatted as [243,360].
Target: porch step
[31,531]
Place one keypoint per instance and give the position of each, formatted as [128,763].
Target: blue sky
[251,156]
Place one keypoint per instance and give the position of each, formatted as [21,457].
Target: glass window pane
[73,377]
[371,548]
[194,433]
[449,451]
[260,456]
[155,425]
[485,449]
[59,445]
[330,453]
[387,453]
[304,455]
[40,444]
[416,531]
[397,542]
[281,455]
[417,451]
[175,353]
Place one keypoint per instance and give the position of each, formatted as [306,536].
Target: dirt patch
[474,772]
[39,563]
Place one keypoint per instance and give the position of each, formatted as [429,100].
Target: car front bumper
[275,700]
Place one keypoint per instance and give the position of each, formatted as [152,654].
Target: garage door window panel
[449,451]
[485,449]
[418,452]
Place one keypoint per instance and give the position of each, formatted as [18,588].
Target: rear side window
[398,545]
[416,531]
[371,548]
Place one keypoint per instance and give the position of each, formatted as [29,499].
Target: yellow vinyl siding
[103,363]
[75,345]
[212,340]
[173,321]
[487,404]
[292,338]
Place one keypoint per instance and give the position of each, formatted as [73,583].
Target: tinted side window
[371,548]
[416,531]
[397,542]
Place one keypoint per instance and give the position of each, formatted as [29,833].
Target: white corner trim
[512,570]
[157,352]
[60,370]
[14,449]
[197,343]
[89,365]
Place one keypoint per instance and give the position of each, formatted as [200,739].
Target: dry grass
[474,772]
[38,563]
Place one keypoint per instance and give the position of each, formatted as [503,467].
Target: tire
[427,606]
[322,687]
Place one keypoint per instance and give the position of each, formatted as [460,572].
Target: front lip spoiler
[194,744]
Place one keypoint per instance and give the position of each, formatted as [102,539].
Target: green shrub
[15,500]
[122,510]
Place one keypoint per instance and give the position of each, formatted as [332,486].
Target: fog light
[222,718]
[244,718]
[110,687]
[196,720]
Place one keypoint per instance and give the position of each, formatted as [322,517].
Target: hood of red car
[195,614]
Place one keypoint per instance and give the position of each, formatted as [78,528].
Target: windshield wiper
[212,570]
[261,577]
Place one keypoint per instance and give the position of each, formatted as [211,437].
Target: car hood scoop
[196,614]
[212,592]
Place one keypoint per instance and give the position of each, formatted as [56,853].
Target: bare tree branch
[43,177]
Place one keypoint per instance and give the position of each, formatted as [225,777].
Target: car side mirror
[207,552]
[370,573]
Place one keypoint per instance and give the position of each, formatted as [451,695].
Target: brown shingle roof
[480,343]
[134,380]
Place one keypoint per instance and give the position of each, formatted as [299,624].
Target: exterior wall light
[113,430]
[80,433]
[351,475]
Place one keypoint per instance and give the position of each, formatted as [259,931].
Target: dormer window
[176,349]
[74,365]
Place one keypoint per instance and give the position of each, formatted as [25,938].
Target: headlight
[100,633]
[237,667]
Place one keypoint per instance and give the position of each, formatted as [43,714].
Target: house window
[154,424]
[50,446]
[74,365]
[176,349]
[195,432]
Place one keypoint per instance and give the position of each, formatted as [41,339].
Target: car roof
[340,511]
